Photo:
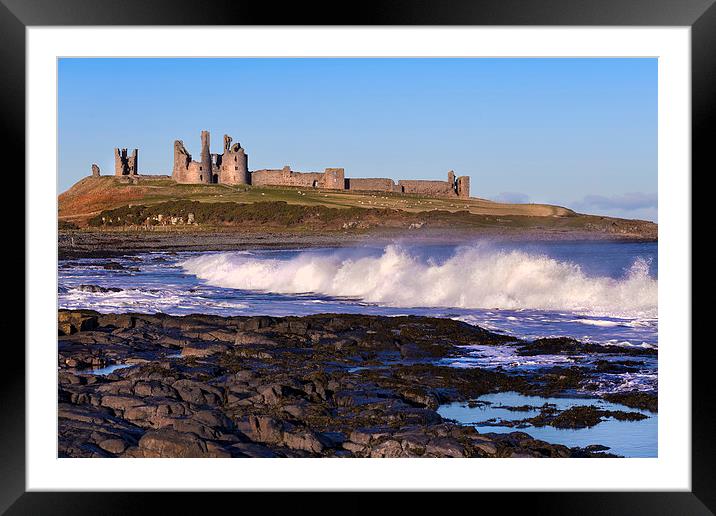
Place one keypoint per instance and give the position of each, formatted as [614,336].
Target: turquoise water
[625,438]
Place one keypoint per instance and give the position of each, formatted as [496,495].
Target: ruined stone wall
[182,158]
[334,179]
[187,171]
[453,187]
[463,187]
[428,188]
[374,184]
[133,163]
[124,164]
[234,164]
[330,178]
[196,173]
[232,168]
[286,177]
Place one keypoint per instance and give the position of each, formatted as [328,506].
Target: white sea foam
[597,322]
[473,277]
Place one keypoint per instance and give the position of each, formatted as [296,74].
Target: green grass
[305,210]
[161,190]
[231,213]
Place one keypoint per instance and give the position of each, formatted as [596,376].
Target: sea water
[601,292]
[625,438]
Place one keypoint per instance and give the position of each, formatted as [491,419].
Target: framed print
[428,248]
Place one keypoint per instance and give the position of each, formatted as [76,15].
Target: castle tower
[234,168]
[133,163]
[125,165]
[334,179]
[205,169]
[463,187]
[120,156]
[182,158]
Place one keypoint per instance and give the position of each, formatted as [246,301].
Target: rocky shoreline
[111,243]
[316,386]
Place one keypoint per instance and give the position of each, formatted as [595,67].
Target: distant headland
[219,193]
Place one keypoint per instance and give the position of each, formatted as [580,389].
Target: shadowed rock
[317,386]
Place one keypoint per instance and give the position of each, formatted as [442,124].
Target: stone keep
[231,167]
[233,164]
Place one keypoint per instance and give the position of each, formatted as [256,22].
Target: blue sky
[580,133]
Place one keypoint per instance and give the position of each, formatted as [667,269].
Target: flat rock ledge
[316,386]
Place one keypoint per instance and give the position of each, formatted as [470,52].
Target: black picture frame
[16,15]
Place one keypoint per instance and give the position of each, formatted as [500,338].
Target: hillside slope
[116,204]
[91,195]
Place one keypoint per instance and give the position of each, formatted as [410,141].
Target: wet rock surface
[580,416]
[97,288]
[315,386]
[568,346]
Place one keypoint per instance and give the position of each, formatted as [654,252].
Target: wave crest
[473,277]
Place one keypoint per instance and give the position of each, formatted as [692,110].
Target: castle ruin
[329,179]
[231,167]
[125,165]
[453,187]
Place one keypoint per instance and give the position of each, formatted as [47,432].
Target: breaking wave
[473,277]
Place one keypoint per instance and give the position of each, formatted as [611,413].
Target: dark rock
[261,429]
[73,322]
[97,288]
[253,338]
[568,346]
[197,392]
[445,447]
[116,266]
[317,386]
[389,448]
[635,399]
[366,435]
[170,443]
[617,366]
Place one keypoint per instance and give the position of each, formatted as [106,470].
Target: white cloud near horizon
[635,205]
[512,197]
[626,202]
[631,205]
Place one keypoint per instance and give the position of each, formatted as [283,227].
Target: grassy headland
[102,211]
